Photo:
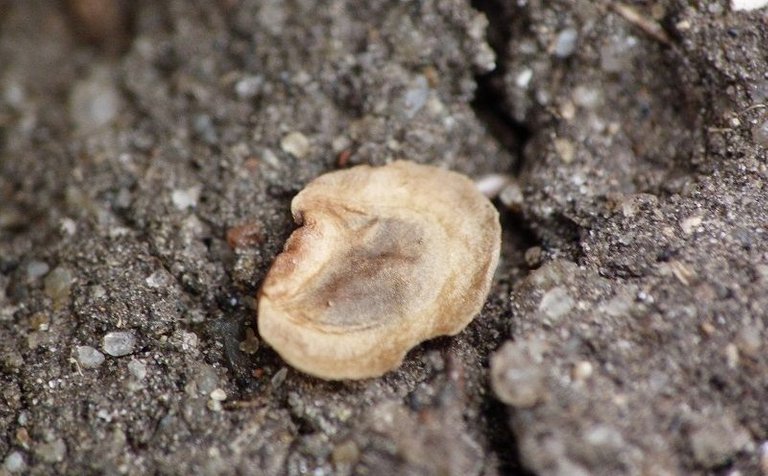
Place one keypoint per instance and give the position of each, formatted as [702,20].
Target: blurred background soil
[148,155]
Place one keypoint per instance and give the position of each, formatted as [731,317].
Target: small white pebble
[565,150]
[88,357]
[118,231]
[516,378]
[37,269]
[565,43]
[567,110]
[98,291]
[490,185]
[748,5]
[249,86]
[556,303]
[587,97]
[279,377]
[760,134]
[119,343]
[14,462]
[270,158]
[346,453]
[138,369]
[732,355]
[748,341]
[524,78]
[14,93]
[582,371]
[512,196]
[58,283]
[189,341]
[340,143]
[186,198]
[218,395]
[296,144]
[214,405]
[104,415]
[690,224]
[94,101]
[415,97]
[159,279]
[251,343]
[68,226]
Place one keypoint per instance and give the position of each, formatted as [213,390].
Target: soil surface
[148,155]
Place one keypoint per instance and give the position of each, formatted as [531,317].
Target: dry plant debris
[385,258]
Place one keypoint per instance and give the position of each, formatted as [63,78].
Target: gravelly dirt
[634,275]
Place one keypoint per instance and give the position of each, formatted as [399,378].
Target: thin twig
[648,26]
[753,107]
[77,365]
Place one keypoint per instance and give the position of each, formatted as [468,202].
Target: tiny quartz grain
[385,258]
[119,343]
[88,357]
[296,144]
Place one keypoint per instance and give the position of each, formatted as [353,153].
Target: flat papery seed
[385,258]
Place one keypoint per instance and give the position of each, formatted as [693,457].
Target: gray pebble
[749,341]
[159,279]
[218,394]
[94,101]
[88,357]
[186,198]
[206,379]
[279,377]
[415,97]
[491,185]
[296,144]
[138,369]
[512,196]
[565,43]
[715,441]
[119,343]
[58,284]
[51,452]
[616,56]
[533,256]
[205,129]
[36,269]
[760,134]
[556,303]
[346,453]
[249,86]
[14,462]
[517,378]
